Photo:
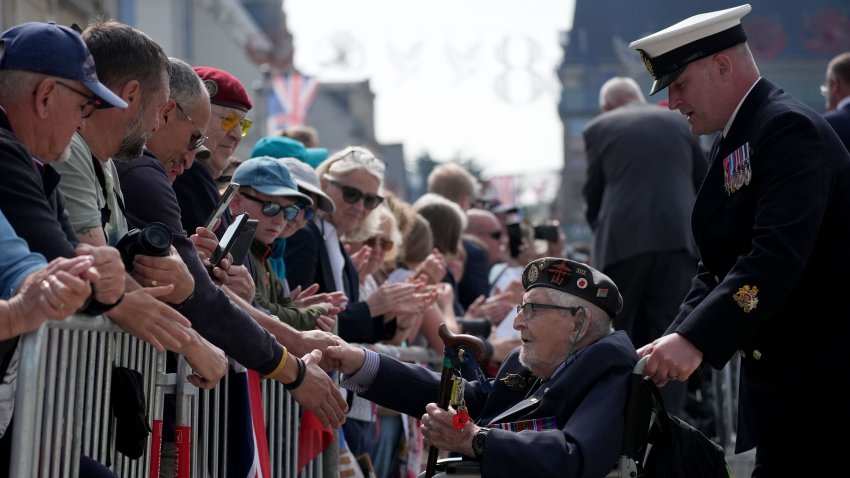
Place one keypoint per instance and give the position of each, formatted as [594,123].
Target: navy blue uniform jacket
[787,233]
[587,400]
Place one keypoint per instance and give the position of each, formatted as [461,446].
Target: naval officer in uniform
[772,225]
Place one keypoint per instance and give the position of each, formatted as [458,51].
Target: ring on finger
[153,283]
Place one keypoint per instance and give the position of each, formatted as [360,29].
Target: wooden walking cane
[452,346]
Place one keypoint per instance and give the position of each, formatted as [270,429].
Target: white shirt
[334,248]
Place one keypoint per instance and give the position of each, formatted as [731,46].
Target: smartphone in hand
[240,248]
[231,190]
[229,238]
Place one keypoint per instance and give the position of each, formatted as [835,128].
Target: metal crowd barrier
[62,404]
[63,408]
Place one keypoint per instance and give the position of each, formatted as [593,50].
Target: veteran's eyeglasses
[197,139]
[272,209]
[351,195]
[529,308]
[231,119]
[92,103]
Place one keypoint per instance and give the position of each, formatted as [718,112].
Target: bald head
[619,91]
[485,226]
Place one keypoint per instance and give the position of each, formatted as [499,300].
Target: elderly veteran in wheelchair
[556,407]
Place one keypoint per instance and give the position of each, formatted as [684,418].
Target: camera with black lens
[151,240]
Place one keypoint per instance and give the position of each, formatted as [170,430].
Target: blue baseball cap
[269,176]
[54,50]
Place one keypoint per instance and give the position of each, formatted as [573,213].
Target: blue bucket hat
[53,50]
[269,176]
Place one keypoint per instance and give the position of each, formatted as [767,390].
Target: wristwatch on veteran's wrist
[478,442]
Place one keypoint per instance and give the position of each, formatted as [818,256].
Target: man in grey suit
[644,169]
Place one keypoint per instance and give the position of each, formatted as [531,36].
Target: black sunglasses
[272,209]
[528,309]
[351,195]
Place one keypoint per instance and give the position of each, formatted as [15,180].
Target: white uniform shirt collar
[735,113]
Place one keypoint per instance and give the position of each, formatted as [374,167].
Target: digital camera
[152,240]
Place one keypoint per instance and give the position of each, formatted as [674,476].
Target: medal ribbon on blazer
[737,171]
[536,424]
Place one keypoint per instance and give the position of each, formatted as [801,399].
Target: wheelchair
[655,443]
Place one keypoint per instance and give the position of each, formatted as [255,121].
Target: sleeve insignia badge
[747,298]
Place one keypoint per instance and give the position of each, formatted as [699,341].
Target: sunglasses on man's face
[351,195]
[272,209]
[231,119]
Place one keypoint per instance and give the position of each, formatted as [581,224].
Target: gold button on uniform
[756,355]
[717,279]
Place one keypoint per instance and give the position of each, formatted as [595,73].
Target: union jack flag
[289,100]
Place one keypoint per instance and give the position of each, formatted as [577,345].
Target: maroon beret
[224,88]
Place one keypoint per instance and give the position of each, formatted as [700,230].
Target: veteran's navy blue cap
[54,50]
[668,52]
[269,176]
[574,278]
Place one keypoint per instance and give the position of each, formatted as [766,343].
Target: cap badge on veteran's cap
[747,298]
[558,272]
[581,283]
[533,273]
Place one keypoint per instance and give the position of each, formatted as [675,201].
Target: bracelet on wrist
[95,307]
[299,379]
[182,304]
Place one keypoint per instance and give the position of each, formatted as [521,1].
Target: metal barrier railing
[62,405]
[63,408]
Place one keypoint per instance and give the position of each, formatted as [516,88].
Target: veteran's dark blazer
[586,399]
[772,281]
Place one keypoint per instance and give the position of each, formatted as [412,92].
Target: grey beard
[131,148]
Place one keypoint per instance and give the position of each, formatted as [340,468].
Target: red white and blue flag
[248,454]
[288,100]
